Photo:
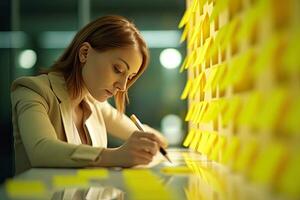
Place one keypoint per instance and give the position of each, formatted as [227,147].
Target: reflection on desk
[191,176]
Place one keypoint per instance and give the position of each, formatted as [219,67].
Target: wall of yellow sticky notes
[243,86]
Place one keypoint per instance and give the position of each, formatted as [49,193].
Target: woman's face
[106,73]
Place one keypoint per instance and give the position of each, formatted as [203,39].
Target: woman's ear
[83,51]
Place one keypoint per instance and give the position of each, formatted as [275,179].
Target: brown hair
[104,33]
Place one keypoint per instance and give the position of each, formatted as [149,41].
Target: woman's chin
[102,98]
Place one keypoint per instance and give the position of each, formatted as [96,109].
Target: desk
[191,177]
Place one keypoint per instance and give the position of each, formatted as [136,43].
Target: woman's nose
[122,82]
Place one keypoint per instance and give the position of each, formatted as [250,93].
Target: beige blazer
[43,127]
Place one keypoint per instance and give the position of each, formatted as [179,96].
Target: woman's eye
[116,69]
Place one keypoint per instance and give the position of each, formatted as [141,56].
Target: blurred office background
[34,33]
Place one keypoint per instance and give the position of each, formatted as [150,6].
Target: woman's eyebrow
[125,63]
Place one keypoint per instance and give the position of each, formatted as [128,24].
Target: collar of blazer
[59,87]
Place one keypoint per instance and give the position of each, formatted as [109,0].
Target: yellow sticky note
[271,108]
[190,60]
[196,33]
[219,7]
[185,32]
[201,56]
[187,89]
[221,70]
[205,28]
[141,182]
[291,122]
[190,112]
[231,150]
[240,66]
[211,77]
[230,31]
[291,58]
[185,18]
[25,188]
[266,55]
[69,181]
[211,112]
[195,141]
[196,85]
[267,163]
[246,155]
[204,105]
[289,182]
[217,148]
[212,137]
[183,64]
[217,41]
[189,138]
[196,112]
[203,142]
[230,110]
[249,109]
[195,5]
[251,18]
[93,173]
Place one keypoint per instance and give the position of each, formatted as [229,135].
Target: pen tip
[168,158]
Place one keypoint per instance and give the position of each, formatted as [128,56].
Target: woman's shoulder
[31,87]
[39,82]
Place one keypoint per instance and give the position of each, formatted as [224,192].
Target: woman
[61,117]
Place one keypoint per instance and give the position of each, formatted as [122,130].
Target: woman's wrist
[107,158]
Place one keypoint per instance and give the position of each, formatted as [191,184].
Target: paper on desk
[25,188]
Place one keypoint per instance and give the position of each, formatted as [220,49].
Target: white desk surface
[212,181]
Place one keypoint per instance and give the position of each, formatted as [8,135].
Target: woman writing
[61,117]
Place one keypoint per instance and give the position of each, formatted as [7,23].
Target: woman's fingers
[162,138]
[143,157]
[151,136]
[147,145]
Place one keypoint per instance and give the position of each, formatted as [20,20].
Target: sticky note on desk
[143,182]
[69,181]
[25,188]
[93,173]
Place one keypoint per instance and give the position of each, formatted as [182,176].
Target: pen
[137,122]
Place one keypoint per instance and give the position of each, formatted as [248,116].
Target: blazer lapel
[60,90]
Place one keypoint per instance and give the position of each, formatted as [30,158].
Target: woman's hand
[138,149]
[158,134]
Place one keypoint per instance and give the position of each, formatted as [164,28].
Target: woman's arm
[120,126]
[38,135]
